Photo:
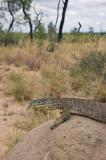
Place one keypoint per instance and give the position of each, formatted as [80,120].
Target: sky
[87,12]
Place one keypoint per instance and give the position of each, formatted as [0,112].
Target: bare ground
[7,114]
[7,117]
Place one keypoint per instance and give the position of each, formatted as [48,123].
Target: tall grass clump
[20,86]
[56,82]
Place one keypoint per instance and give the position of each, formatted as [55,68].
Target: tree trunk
[62,20]
[6,42]
[29,21]
[79,27]
[12,22]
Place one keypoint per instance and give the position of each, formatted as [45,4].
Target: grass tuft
[20,86]
[39,116]
[13,139]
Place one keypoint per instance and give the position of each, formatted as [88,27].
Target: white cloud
[72,12]
[101,13]
[88,12]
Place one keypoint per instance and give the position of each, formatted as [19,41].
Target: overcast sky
[88,12]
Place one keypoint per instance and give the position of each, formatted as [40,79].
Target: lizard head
[51,102]
[38,102]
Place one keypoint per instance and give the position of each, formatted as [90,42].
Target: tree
[37,20]
[51,37]
[8,7]
[74,30]
[26,5]
[13,6]
[79,27]
[91,30]
[60,34]
[34,22]
[2,13]
[21,14]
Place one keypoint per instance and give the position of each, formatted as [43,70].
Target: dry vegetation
[74,69]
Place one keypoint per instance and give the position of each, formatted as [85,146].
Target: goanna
[73,106]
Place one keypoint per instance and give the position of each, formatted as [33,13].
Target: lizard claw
[52,127]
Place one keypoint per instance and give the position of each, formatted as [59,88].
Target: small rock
[4,119]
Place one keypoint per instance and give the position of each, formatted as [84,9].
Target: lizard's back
[88,108]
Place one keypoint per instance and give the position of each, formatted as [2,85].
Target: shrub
[90,65]
[82,38]
[93,62]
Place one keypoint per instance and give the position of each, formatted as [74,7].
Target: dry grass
[51,74]
[13,139]
[34,119]
[20,86]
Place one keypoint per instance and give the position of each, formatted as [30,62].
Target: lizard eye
[42,101]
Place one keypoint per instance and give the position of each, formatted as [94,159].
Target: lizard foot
[52,127]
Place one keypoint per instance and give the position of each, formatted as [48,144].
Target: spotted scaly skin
[73,106]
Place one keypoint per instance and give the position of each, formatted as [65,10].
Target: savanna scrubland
[76,67]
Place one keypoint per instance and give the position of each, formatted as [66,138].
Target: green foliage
[41,32]
[40,35]
[26,3]
[11,38]
[82,37]
[2,38]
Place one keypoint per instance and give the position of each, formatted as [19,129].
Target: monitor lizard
[69,106]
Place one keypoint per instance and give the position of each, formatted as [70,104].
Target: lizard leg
[64,117]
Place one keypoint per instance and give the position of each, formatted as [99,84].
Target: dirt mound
[77,139]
